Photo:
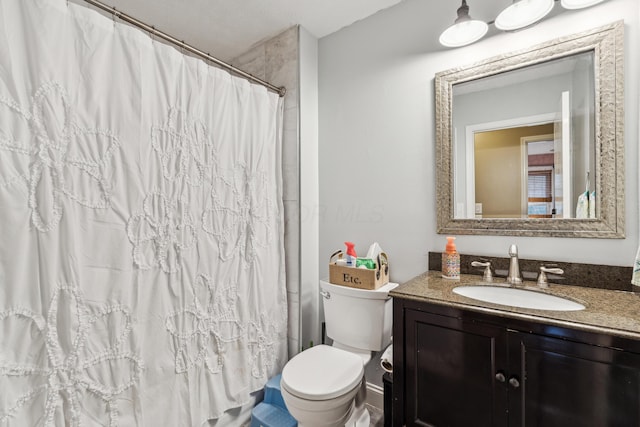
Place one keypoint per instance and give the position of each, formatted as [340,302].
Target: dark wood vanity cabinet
[449,372]
[457,368]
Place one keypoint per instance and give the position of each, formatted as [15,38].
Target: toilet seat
[322,372]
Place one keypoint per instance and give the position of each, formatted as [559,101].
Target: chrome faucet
[514,277]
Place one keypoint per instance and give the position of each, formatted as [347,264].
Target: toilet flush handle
[325,294]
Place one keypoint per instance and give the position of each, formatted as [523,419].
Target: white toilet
[325,385]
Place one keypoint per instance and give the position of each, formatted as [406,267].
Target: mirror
[531,143]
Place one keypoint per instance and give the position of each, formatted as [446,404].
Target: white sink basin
[516,297]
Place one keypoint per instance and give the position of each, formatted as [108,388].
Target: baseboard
[375,396]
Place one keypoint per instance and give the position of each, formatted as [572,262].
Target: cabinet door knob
[514,382]
[500,377]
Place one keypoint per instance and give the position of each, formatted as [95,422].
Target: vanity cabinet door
[563,383]
[451,374]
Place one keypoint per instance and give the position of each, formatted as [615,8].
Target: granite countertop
[607,311]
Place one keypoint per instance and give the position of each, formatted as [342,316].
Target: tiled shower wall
[277,61]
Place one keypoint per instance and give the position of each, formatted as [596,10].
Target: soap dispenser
[450,260]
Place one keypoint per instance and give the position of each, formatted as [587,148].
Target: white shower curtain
[141,254]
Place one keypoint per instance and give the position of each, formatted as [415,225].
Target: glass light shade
[523,13]
[463,33]
[579,4]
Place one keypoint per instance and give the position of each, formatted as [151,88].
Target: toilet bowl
[325,385]
[320,386]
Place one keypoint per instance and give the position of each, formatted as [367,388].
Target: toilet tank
[358,318]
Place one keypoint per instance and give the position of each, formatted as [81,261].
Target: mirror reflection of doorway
[501,170]
[539,170]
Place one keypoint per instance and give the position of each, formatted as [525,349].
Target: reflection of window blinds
[539,184]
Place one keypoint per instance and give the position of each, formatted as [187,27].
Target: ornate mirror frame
[607,43]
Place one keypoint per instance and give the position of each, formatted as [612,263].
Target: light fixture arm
[463,13]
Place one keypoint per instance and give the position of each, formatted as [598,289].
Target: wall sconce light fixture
[519,14]
[464,30]
[522,13]
[578,4]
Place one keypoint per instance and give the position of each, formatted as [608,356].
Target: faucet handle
[487,276]
[544,269]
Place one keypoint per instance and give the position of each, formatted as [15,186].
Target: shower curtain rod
[133,21]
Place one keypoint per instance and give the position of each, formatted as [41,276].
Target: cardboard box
[359,277]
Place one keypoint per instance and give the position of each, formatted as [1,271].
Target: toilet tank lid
[381,293]
[322,372]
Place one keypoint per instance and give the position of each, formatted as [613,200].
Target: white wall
[377,135]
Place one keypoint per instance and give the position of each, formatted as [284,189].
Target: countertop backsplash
[589,275]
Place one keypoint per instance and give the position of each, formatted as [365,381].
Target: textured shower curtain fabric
[141,255]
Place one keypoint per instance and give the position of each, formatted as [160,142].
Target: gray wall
[309,228]
[377,135]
